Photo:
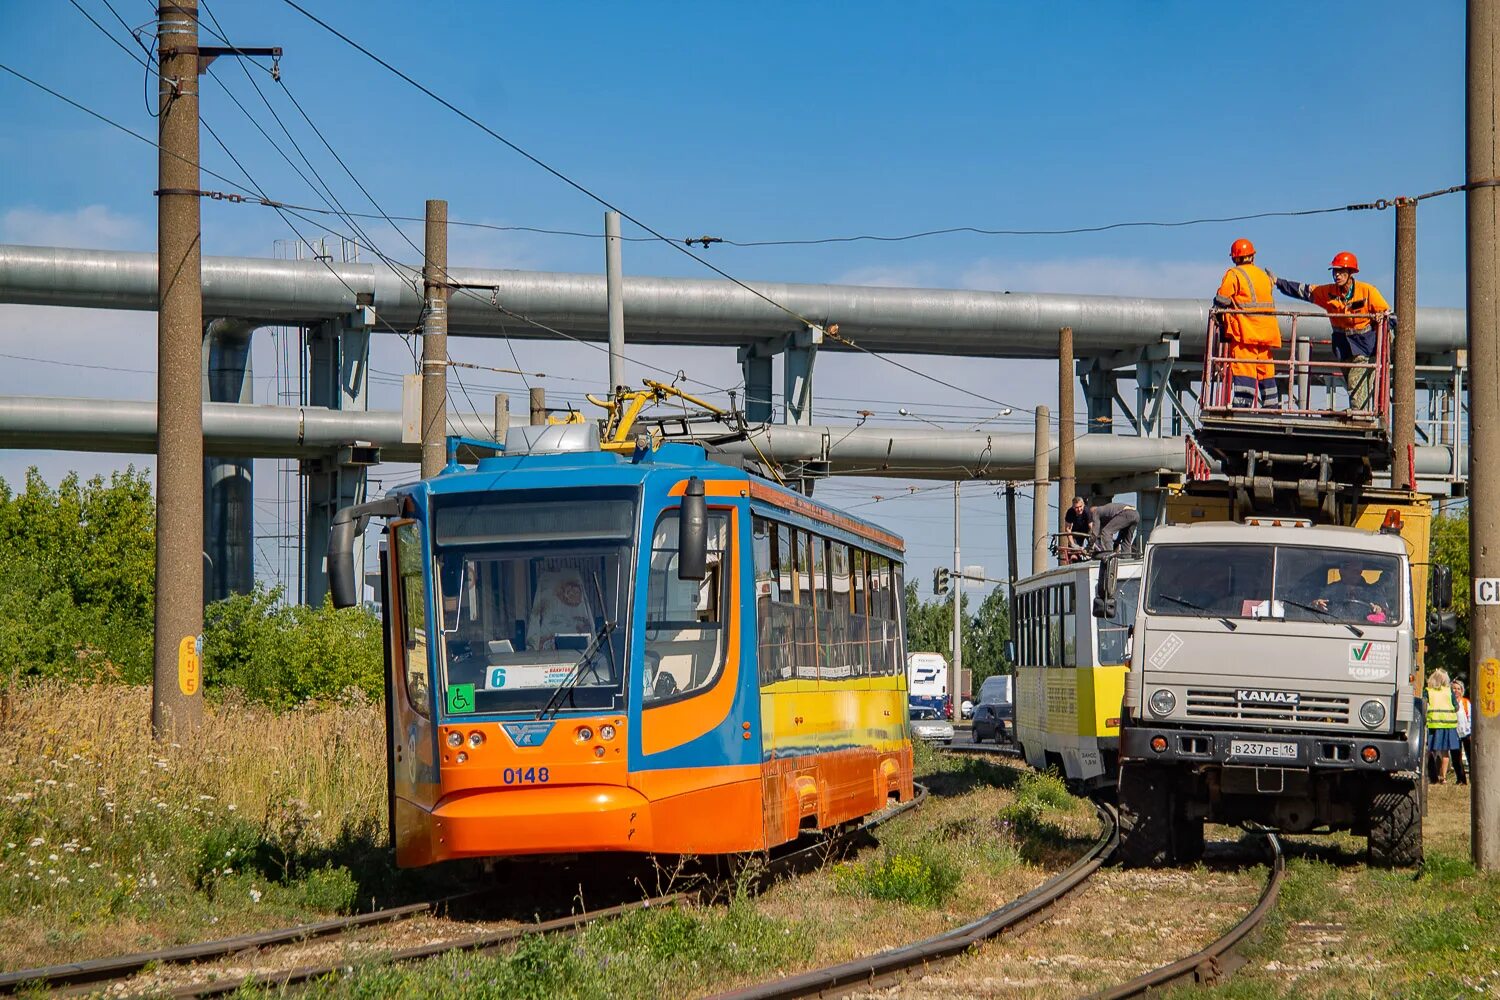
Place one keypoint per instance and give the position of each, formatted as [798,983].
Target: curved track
[889,966]
[1219,960]
[76,978]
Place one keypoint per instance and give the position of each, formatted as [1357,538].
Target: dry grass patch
[111,842]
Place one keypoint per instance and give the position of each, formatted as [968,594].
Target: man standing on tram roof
[1350,304]
[1250,336]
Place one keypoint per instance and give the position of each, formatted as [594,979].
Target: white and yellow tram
[1070,671]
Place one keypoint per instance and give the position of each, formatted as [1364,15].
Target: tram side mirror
[1107,588]
[692,533]
[1010,650]
[1442,587]
[348,524]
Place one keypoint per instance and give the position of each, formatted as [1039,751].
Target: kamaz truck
[1276,654]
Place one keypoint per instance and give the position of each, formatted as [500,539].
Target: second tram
[1070,671]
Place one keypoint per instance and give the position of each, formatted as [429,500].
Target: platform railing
[1298,375]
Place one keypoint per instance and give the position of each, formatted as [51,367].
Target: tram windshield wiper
[576,674]
[1198,607]
[1359,633]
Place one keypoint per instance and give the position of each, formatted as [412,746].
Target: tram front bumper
[565,819]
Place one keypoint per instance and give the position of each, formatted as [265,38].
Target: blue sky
[760,122]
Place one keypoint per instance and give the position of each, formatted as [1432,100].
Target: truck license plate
[1259,748]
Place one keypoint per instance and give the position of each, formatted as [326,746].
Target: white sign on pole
[1487,590]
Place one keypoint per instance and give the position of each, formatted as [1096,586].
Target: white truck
[1271,683]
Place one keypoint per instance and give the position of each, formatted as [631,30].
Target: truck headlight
[1372,713]
[1162,702]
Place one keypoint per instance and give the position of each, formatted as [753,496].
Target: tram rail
[1219,960]
[113,973]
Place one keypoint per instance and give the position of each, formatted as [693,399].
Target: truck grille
[1223,705]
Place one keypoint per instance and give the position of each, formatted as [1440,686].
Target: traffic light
[940,580]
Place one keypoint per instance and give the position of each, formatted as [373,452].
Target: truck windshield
[527,591]
[1293,582]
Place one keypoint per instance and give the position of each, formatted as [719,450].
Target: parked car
[966,708]
[928,725]
[994,722]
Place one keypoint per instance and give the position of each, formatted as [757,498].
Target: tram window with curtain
[859,614]
[685,619]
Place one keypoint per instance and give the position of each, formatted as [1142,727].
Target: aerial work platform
[1299,457]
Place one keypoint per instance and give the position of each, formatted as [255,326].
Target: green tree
[1450,547]
[929,628]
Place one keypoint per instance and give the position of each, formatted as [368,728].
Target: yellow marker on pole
[189,672]
[1488,688]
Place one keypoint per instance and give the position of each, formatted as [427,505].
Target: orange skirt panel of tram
[587,805]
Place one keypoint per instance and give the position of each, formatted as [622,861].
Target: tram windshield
[1291,582]
[533,597]
[1113,632]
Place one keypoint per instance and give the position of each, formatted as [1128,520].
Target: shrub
[330,890]
[921,874]
[286,655]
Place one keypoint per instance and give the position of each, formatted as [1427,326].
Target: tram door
[413,765]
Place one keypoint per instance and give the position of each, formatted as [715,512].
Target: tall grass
[257,812]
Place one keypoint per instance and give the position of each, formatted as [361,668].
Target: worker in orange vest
[1251,338]
[1350,304]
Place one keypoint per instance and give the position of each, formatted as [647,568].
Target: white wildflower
[37,842]
[254,895]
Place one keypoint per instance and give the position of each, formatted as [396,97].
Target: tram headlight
[1162,702]
[455,739]
[1372,713]
[585,734]
[476,739]
[606,732]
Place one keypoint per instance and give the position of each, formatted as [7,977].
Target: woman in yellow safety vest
[1442,724]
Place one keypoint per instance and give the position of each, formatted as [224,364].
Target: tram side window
[805,648]
[413,594]
[764,553]
[897,615]
[859,613]
[685,619]
[882,625]
[822,605]
[841,658]
[1068,626]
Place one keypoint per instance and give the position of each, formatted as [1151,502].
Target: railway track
[114,974]
[1220,958]
[1211,964]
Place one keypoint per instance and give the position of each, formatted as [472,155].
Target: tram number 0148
[525,776]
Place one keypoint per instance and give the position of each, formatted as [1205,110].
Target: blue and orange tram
[650,652]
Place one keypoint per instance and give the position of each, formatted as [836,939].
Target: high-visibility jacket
[1442,713]
[1349,314]
[1246,286]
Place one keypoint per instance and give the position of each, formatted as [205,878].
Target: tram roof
[579,469]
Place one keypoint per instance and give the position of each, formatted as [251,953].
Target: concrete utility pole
[1404,379]
[435,342]
[538,415]
[955,670]
[176,677]
[1066,479]
[614,280]
[1039,492]
[1484,420]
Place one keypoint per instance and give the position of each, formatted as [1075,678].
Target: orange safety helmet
[1344,260]
[1241,248]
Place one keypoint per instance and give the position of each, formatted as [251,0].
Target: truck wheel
[1145,817]
[1395,839]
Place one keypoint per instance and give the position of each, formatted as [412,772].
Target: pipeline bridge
[1156,344]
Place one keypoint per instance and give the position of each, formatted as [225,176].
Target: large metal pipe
[100,425]
[662,310]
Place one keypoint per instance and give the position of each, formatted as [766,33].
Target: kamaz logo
[1267,697]
[527,734]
